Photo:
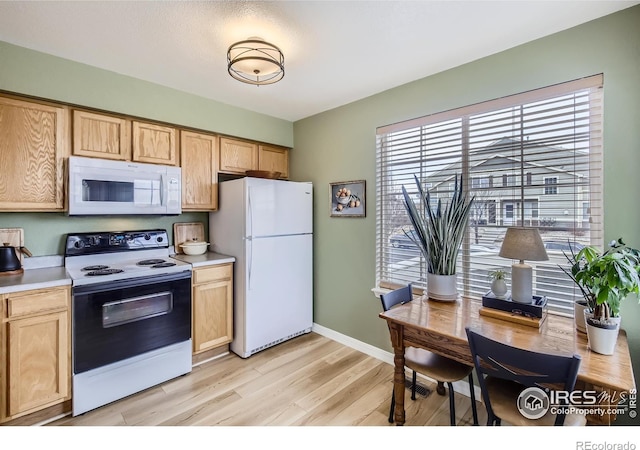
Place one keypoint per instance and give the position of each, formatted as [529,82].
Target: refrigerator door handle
[250,245]
[250,218]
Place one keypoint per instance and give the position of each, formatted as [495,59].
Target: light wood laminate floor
[308,381]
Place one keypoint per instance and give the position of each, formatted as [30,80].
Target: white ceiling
[335,51]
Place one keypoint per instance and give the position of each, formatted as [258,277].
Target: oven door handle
[131,282]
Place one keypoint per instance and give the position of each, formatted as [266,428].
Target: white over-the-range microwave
[107,187]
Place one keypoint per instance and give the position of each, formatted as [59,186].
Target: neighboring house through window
[513,154]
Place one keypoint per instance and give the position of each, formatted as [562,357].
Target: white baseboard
[461,386]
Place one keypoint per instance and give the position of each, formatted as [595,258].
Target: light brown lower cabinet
[35,363]
[212,306]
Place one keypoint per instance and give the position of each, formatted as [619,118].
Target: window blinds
[532,159]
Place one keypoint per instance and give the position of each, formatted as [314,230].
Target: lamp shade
[524,244]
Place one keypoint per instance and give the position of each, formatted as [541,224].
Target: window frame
[527,208]
[550,185]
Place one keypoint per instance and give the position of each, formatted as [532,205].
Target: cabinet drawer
[35,302]
[205,274]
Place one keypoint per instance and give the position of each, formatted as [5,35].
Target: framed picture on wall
[348,199]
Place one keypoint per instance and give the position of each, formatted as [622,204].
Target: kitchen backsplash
[44,233]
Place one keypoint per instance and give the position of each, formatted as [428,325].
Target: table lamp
[522,244]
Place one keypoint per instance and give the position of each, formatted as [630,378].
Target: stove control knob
[159,239]
[78,244]
[147,236]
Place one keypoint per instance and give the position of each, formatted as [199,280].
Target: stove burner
[96,267]
[151,262]
[163,264]
[95,273]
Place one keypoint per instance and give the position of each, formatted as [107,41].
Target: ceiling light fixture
[255,61]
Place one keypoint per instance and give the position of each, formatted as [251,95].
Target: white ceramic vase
[602,340]
[442,287]
[499,288]
[579,308]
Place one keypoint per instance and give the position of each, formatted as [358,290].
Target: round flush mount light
[255,61]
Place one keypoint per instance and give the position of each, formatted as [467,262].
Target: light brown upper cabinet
[274,159]
[101,136]
[34,142]
[155,144]
[238,156]
[199,162]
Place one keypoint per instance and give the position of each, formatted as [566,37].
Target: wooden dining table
[440,327]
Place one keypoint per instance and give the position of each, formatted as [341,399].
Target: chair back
[528,368]
[396,297]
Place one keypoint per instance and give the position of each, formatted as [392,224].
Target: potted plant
[438,235]
[605,279]
[498,282]
[585,303]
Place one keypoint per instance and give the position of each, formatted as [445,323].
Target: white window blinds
[532,159]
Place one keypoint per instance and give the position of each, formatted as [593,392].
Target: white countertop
[47,277]
[206,259]
[34,279]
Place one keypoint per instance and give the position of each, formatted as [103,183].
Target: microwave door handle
[163,185]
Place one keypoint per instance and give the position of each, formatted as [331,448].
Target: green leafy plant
[605,279]
[439,231]
[497,274]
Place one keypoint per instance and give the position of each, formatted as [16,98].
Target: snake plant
[439,231]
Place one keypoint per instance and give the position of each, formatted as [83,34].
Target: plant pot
[442,287]
[602,337]
[579,308]
[499,288]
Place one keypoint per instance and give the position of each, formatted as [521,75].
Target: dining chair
[506,372]
[434,366]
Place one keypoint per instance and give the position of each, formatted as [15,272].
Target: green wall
[44,233]
[33,73]
[28,72]
[340,145]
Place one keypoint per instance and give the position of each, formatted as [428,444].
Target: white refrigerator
[267,226]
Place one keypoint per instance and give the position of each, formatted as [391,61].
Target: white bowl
[194,247]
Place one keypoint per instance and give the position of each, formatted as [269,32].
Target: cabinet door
[34,143]
[154,144]
[212,314]
[199,161]
[238,156]
[101,136]
[274,159]
[38,363]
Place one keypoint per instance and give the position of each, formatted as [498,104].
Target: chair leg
[473,399]
[413,386]
[393,405]
[440,388]
[452,405]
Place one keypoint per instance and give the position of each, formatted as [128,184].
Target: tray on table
[506,309]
